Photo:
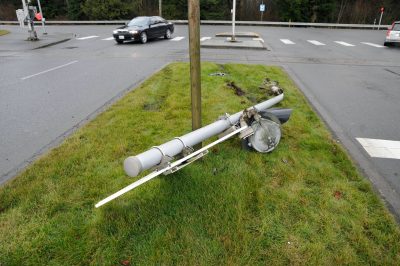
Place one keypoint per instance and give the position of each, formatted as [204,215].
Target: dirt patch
[338,195]
[154,105]
[237,89]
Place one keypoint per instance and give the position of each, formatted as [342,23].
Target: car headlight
[115,32]
[133,31]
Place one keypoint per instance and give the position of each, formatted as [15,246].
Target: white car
[393,34]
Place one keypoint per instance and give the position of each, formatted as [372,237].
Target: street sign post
[262,10]
[233,39]
[380,20]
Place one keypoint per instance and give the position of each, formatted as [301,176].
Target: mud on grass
[305,203]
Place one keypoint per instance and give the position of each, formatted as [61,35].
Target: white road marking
[108,39]
[287,41]
[315,42]
[177,39]
[381,148]
[205,38]
[258,39]
[87,37]
[373,44]
[48,70]
[344,43]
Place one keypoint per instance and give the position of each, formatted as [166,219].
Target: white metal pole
[43,19]
[380,20]
[31,27]
[160,8]
[172,165]
[233,20]
[134,165]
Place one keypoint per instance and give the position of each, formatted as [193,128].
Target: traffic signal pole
[43,19]
[31,26]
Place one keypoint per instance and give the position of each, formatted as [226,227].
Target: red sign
[382,9]
[38,16]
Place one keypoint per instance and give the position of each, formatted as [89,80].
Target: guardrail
[218,22]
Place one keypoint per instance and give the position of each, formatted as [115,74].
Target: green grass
[3,32]
[305,203]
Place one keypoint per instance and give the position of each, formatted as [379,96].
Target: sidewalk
[16,40]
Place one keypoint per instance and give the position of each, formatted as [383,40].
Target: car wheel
[168,34]
[143,37]
[119,41]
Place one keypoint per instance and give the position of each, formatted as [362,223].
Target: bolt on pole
[195,69]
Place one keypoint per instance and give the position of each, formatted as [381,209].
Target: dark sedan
[144,28]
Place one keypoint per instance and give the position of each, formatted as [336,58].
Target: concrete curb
[221,43]
[238,34]
[219,22]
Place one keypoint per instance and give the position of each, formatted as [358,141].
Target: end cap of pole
[132,166]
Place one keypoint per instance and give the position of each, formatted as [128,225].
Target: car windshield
[139,21]
[396,27]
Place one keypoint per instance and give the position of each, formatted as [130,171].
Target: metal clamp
[226,116]
[159,149]
[186,149]
[186,163]
[183,143]
[165,160]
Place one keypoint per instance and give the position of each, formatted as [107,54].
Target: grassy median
[304,203]
[3,32]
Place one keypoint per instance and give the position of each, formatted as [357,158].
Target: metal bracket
[165,160]
[228,131]
[226,116]
[246,133]
[187,150]
[249,115]
[186,163]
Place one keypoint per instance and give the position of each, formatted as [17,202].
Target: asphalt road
[352,82]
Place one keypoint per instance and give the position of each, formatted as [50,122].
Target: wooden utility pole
[195,71]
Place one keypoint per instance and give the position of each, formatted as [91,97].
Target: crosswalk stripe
[373,44]
[205,38]
[287,41]
[315,42]
[108,39]
[87,37]
[344,43]
[381,148]
[176,39]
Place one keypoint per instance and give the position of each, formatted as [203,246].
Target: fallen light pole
[258,126]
